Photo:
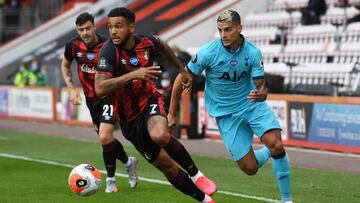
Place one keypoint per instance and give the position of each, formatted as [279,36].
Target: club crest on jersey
[79,54]
[90,56]
[233,62]
[134,60]
[262,64]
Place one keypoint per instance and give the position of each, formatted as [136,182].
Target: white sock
[207,198]
[128,163]
[110,178]
[195,177]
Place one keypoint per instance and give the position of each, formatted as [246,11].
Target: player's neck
[236,45]
[94,42]
[130,43]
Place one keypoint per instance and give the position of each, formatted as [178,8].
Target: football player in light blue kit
[235,95]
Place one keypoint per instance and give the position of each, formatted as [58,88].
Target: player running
[234,95]
[85,48]
[125,70]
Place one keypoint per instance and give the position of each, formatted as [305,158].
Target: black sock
[109,158]
[120,152]
[183,183]
[178,152]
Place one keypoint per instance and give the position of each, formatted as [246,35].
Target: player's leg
[138,135]
[265,125]
[113,149]
[237,137]
[157,127]
[178,178]
[280,163]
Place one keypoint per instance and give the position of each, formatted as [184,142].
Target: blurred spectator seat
[261,36]
[272,19]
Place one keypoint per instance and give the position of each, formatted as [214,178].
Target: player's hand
[171,120]
[186,81]
[148,73]
[75,97]
[257,96]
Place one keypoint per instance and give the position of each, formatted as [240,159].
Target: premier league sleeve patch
[102,63]
[194,59]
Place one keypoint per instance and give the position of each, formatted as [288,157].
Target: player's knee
[276,147]
[250,170]
[160,136]
[105,138]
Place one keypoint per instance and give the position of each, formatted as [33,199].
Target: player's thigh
[236,134]
[166,165]
[158,129]
[262,120]
[136,132]
[156,121]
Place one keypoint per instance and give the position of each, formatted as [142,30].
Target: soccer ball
[85,179]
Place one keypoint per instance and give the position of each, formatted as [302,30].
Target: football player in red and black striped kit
[125,70]
[85,48]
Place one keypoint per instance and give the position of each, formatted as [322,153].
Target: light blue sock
[262,155]
[281,169]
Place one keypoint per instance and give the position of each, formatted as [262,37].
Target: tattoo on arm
[66,72]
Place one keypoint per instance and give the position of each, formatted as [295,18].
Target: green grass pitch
[28,181]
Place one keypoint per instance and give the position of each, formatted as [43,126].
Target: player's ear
[132,27]
[240,28]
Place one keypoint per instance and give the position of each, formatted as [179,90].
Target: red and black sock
[112,151]
[183,183]
[120,152]
[178,152]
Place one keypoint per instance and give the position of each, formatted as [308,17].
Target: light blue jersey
[228,76]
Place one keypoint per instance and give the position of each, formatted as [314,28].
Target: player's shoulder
[210,46]
[102,38]
[251,47]
[108,47]
[74,40]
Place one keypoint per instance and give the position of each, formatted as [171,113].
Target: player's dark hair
[83,18]
[123,12]
[229,16]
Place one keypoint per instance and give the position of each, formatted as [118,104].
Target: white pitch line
[151,180]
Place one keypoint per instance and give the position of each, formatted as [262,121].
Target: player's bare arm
[67,75]
[178,88]
[105,85]
[66,72]
[260,93]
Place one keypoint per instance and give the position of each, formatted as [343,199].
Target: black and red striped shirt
[87,59]
[132,99]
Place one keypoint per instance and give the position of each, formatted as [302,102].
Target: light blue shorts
[237,129]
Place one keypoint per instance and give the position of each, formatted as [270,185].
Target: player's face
[229,33]
[87,32]
[120,29]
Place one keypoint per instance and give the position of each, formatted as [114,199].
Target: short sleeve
[107,60]
[257,68]
[197,64]
[68,53]
[156,41]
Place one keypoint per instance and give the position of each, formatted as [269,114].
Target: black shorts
[101,110]
[137,133]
